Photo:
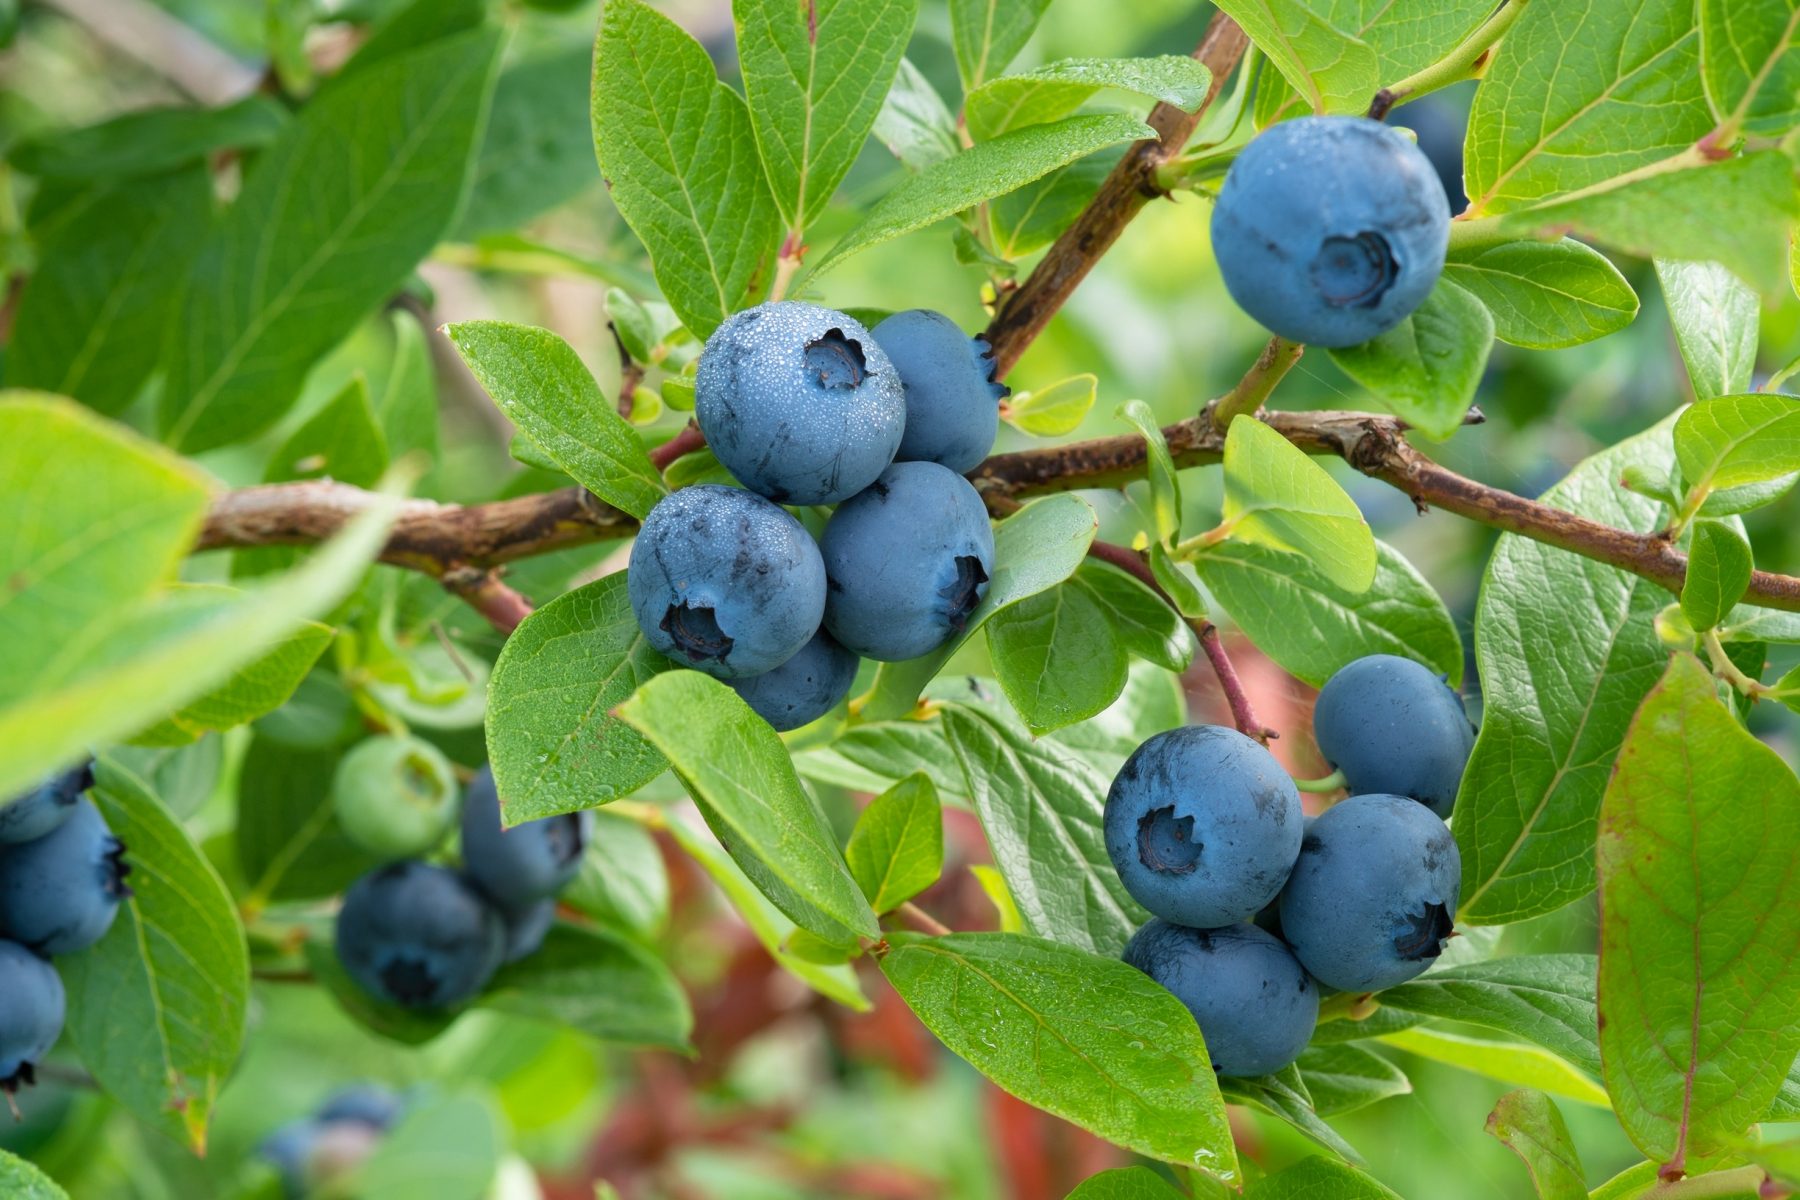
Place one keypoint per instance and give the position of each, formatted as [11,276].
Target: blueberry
[1203,826]
[1254,1004]
[804,688]
[60,893]
[799,402]
[1330,230]
[1373,897]
[32,1006]
[287,1151]
[364,1103]
[906,562]
[1393,727]
[395,796]
[526,929]
[1440,125]
[37,813]
[952,401]
[419,936]
[518,867]
[726,582]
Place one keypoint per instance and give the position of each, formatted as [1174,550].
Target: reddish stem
[484,591]
[687,441]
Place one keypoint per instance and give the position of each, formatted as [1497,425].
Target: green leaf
[1513,1063]
[1545,295]
[537,152]
[332,218]
[1748,623]
[896,850]
[623,882]
[816,75]
[1165,485]
[1054,91]
[111,269]
[540,384]
[1318,1179]
[1426,369]
[1718,574]
[988,34]
[679,155]
[1528,1123]
[289,844]
[1345,1077]
[597,983]
[1125,1183]
[1278,497]
[1566,649]
[1037,214]
[1179,579]
[157,1007]
[1699,977]
[1085,1038]
[444,1148]
[1332,69]
[1546,999]
[1715,319]
[22,1181]
[1034,549]
[342,441]
[1058,657]
[739,775]
[914,123]
[1749,62]
[979,173]
[552,739]
[1736,440]
[1053,411]
[1311,627]
[771,928]
[1284,1095]
[1609,89]
[1041,810]
[1145,625]
[1737,212]
[149,141]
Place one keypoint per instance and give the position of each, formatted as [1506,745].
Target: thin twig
[687,441]
[485,592]
[631,372]
[921,920]
[1253,390]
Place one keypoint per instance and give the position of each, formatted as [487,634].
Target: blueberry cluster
[804,406]
[62,877]
[427,937]
[1331,230]
[311,1152]
[1255,907]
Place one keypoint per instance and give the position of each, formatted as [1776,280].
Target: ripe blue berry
[518,867]
[799,402]
[802,689]
[395,796]
[1331,230]
[364,1103]
[907,561]
[724,581]
[1373,897]
[32,1006]
[952,401]
[1393,727]
[419,936]
[526,929]
[60,893]
[38,813]
[287,1151]
[1203,826]
[1254,1004]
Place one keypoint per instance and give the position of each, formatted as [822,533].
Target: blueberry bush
[726,598]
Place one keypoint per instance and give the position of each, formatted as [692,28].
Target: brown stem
[631,372]
[1130,186]
[687,441]
[484,591]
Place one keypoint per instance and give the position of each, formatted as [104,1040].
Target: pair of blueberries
[337,1137]
[427,937]
[805,406]
[1206,832]
[62,878]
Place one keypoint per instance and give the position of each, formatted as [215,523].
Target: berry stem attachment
[1467,61]
[1330,783]
[1253,390]
[1727,670]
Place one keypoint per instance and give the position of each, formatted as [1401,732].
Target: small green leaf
[443,1148]
[1085,1038]
[623,882]
[1699,982]
[739,775]
[1512,1063]
[552,739]
[1318,1179]
[1057,89]
[1529,1124]
[1125,1183]
[1426,369]
[1332,69]
[1053,411]
[914,123]
[22,1181]
[1346,1077]
[1146,626]
[1277,496]
[679,155]
[896,850]
[1715,317]
[1179,579]
[1736,440]
[1058,657]
[988,34]
[1545,295]
[596,983]
[1750,62]
[1165,485]
[1718,574]
[816,75]
[980,173]
[1284,1095]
